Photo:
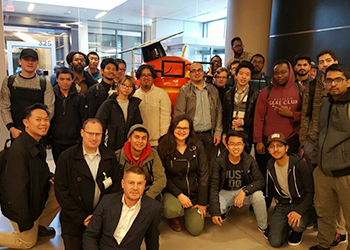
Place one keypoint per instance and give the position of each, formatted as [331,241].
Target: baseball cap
[277,137]
[313,65]
[28,53]
[132,129]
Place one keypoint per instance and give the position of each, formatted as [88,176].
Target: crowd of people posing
[236,137]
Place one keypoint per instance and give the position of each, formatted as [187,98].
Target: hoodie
[267,120]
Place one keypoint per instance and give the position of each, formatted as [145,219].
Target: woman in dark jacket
[119,113]
[187,172]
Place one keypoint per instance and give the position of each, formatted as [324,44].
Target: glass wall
[112,27]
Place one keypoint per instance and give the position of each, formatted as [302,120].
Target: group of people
[237,137]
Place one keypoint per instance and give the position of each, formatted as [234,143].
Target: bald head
[197,73]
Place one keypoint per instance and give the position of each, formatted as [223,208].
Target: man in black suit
[123,220]
[84,173]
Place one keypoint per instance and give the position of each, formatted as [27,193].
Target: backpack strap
[12,79]
[42,84]
[269,89]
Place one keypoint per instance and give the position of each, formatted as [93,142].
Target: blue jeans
[279,227]
[256,199]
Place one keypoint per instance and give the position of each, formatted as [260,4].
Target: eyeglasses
[238,144]
[79,60]
[194,71]
[184,129]
[90,134]
[148,75]
[126,86]
[238,46]
[337,81]
[122,70]
[279,146]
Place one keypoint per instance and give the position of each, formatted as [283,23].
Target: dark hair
[134,169]
[107,61]
[130,79]
[217,57]
[258,55]
[341,68]
[140,129]
[119,60]
[92,120]
[234,62]
[70,55]
[167,144]
[29,109]
[146,66]
[327,51]
[237,38]
[245,64]
[302,56]
[64,70]
[235,134]
[93,53]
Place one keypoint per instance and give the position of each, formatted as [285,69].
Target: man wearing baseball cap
[22,90]
[290,182]
[137,151]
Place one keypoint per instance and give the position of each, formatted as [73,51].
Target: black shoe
[294,238]
[318,247]
[265,232]
[224,215]
[338,238]
[46,231]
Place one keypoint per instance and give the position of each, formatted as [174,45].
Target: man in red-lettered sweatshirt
[278,110]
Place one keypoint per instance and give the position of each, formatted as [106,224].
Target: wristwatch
[245,190]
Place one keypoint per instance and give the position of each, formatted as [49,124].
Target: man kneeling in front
[123,220]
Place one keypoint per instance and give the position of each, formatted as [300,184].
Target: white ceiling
[128,12]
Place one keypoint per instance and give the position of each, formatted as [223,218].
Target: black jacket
[228,108]
[96,95]
[74,186]
[188,174]
[251,175]
[114,124]
[99,234]
[300,182]
[70,114]
[25,182]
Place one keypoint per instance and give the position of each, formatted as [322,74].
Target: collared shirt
[245,56]
[127,218]
[259,84]
[93,162]
[81,85]
[303,82]
[202,118]
[240,105]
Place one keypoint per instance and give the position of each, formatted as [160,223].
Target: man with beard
[99,92]
[302,68]
[259,79]
[238,51]
[82,79]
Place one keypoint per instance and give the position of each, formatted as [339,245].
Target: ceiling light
[86,4]
[31,7]
[100,14]
[25,37]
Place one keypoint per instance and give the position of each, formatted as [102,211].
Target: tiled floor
[238,232]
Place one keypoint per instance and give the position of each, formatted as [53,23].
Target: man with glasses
[200,101]
[94,59]
[155,106]
[83,80]
[216,63]
[290,182]
[84,173]
[99,92]
[332,174]
[236,181]
[259,79]
[238,51]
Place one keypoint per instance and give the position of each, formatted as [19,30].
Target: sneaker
[265,232]
[338,238]
[224,215]
[294,238]
[318,247]
[46,231]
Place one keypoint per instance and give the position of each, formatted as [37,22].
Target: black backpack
[3,160]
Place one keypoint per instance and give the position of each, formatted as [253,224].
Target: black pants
[57,149]
[72,242]
[207,139]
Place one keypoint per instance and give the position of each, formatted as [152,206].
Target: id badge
[107,182]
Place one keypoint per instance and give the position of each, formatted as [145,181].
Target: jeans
[256,199]
[279,227]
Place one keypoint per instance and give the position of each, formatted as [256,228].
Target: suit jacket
[75,186]
[99,234]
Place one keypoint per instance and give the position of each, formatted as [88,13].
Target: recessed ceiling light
[100,14]
[31,7]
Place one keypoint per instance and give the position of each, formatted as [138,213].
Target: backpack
[3,160]
[12,79]
[297,85]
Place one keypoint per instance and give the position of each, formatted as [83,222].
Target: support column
[250,20]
